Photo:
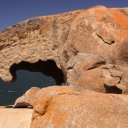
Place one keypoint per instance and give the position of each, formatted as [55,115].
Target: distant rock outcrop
[91,48]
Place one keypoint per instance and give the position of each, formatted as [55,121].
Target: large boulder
[98,32]
[68,107]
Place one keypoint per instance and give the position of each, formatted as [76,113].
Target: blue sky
[13,11]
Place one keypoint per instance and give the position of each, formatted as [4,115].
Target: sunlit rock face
[79,42]
[90,48]
[66,107]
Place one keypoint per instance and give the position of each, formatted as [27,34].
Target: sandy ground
[15,118]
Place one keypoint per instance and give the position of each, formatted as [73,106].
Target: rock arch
[26,75]
[49,68]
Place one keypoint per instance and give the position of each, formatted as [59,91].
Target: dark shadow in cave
[112,89]
[48,68]
[27,75]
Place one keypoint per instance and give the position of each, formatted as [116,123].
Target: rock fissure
[46,106]
[120,77]
[107,42]
[97,65]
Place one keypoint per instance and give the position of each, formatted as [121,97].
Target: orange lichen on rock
[80,109]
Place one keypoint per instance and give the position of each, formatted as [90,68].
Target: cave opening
[27,75]
[112,89]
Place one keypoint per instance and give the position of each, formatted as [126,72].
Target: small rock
[27,99]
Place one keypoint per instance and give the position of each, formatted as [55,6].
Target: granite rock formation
[80,42]
[90,47]
[67,107]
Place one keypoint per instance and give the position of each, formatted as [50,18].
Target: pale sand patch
[15,118]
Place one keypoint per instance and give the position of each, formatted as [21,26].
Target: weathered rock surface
[27,99]
[91,48]
[15,118]
[79,42]
[67,107]
[99,31]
